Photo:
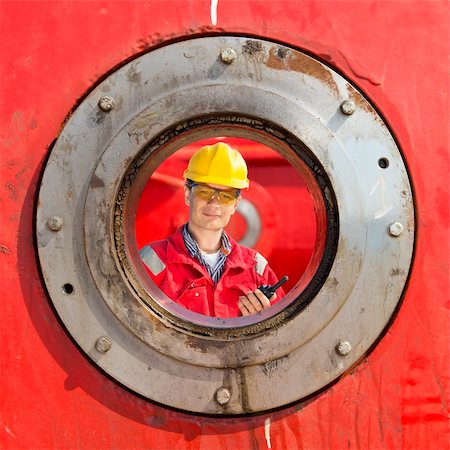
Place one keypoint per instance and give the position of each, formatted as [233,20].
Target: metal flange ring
[178,94]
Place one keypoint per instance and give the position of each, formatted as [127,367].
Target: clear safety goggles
[206,193]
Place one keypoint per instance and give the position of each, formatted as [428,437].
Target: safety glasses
[225,197]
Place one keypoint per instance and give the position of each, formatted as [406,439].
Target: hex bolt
[222,396]
[55,223]
[395,229]
[106,103]
[103,344]
[228,56]
[344,348]
[348,107]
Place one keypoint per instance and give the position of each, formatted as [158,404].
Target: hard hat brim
[227,182]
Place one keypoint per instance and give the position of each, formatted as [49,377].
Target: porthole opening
[275,216]
[290,217]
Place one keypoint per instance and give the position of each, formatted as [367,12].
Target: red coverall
[184,280]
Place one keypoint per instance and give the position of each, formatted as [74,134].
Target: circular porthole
[148,110]
[127,198]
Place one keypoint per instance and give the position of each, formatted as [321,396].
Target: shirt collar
[178,252]
[192,246]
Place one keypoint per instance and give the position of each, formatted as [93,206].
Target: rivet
[55,223]
[106,103]
[344,348]
[348,107]
[222,396]
[103,344]
[395,229]
[228,55]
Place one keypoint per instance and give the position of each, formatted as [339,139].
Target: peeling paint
[5,249]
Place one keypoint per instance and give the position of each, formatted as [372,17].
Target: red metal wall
[52,53]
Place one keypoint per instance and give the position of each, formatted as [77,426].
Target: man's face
[212,214]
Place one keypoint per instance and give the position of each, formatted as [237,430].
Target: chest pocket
[195,297]
[243,282]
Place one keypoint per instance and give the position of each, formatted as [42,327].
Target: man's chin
[213,225]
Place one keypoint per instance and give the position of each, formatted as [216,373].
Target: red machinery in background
[54,57]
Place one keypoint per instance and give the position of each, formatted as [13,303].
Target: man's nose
[215,198]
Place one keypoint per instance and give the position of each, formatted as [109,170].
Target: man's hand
[253,302]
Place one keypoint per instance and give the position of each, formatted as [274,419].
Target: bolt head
[106,103]
[223,396]
[344,348]
[228,56]
[395,229]
[348,107]
[103,344]
[54,223]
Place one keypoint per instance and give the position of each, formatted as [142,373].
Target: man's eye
[227,196]
[204,191]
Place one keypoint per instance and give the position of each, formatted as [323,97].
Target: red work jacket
[184,280]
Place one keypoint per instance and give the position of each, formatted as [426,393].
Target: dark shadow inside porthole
[289,214]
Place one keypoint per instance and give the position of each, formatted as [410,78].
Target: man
[200,266]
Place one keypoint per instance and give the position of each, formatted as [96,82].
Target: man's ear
[187,196]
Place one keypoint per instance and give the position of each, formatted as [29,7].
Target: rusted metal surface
[283,58]
[398,397]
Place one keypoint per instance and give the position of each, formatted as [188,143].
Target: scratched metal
[151,354]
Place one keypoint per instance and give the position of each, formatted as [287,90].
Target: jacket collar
[178,253]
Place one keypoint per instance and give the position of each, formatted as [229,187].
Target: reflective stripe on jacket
[184,280]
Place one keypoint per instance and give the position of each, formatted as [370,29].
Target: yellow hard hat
[218,164]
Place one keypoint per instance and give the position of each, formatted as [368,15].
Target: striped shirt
[214,272]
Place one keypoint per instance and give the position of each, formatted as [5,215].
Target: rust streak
[361,102]
[282,59]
